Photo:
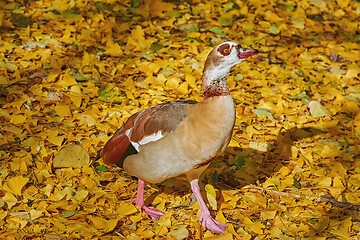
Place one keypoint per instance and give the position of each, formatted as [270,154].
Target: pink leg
[207,221]
[152,212]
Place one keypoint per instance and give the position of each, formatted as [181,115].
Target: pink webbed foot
[207,221]
[152,212]
[211,224]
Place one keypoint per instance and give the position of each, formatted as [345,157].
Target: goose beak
[245,52]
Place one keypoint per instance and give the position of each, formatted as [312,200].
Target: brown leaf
[71,156]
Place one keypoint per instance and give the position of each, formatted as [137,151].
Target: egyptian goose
[181,137]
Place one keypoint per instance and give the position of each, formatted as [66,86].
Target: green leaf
[95,79]
[224,21]
[135,3]
[234,6]
[289,7]
[191,39]
[273,29]
[240,161]
[101,168]
[303,97]
[102,6]
[71,14]
[156,47]
[176,14]
[215,178]
[110,93]
[46,66]
[20,20]
[296,182]
[68,214]
[261,112]
[189,27]
[80,77]
[216,30]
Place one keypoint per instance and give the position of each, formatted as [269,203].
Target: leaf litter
[71,73]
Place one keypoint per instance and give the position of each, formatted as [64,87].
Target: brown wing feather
[115,148]
[164,117]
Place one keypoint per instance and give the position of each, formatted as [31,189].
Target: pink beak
[245,52]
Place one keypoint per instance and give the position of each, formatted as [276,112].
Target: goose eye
[224,49]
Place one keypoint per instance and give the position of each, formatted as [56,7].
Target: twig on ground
[328,198]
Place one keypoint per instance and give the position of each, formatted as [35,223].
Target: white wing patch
[135,145]
[151,138]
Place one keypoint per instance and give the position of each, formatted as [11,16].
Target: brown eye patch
[224,49]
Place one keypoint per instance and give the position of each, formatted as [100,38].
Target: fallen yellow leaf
[102,224]
[71,156]
[14,185]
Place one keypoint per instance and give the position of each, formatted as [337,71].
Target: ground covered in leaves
[72,71]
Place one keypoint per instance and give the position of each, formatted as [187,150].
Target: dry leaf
[103,224]
[14,185]
[318,110]
[180,234]
[9,199]
[71,156]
